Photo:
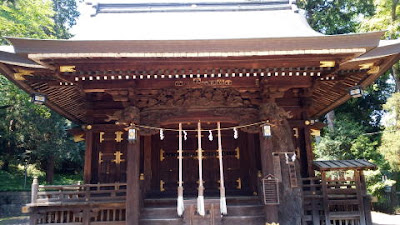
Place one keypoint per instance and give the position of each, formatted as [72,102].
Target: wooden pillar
[87,172]
[309,151]
[266,148]
[147,163]
[360,197]
[325,201]
[133,189]
[366,198]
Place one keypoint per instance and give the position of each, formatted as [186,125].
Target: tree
[25,126]
[65,17]
[390,147]
[387,18]
[27,18]
[336,17]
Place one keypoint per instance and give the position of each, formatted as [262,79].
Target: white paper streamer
[224,208]
[294,157]
[184,135]
[162,134]
[210,136]
[200,206]
[235,133]
[181,208]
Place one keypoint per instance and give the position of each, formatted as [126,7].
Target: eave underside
[99,87]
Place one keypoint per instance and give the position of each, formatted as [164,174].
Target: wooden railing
[78,204]
[339,201]
[80,193]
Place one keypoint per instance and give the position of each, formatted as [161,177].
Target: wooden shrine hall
[200,113]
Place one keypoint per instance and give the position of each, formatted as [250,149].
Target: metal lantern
[356,91]
[38,98]
[132,135]
[266,130]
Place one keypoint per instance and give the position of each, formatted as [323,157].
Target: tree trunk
[330,118]
[50,170]
[396,78]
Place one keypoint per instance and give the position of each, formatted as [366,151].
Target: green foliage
[386,18]
[336,17]
[14,180]
[390,147]
[26,127]
[30,132]
[44,19]
[65,17]
[27,18]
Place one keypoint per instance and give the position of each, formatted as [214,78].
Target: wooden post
[87,173]
[133,190]
[35,188]
[367,199]
[271,211]
[325,201]
[147,163]
[360,196]
[34,195]
[309,151]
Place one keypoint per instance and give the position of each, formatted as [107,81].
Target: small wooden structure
[153,67]
[339,196]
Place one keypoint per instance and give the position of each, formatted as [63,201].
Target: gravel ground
[377,219]
[385,219]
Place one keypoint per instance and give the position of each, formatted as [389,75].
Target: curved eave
[16,60]
[385,48]
[388,61]
[284,45]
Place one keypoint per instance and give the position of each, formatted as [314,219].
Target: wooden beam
[133,189]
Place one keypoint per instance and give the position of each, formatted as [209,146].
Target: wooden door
[236,161]
[109,157]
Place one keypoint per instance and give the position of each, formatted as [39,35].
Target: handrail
[45,194]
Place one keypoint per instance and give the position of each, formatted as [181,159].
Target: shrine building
[200,113]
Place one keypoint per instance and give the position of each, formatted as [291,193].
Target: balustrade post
[34,190]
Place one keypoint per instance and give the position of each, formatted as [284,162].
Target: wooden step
[243,220]
[245,210]
[159,213]
[172,221]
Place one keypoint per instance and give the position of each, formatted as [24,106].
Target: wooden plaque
[270,186]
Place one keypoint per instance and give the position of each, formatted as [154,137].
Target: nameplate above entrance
[206,83]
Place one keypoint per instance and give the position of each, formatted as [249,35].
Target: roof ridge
[191,6]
